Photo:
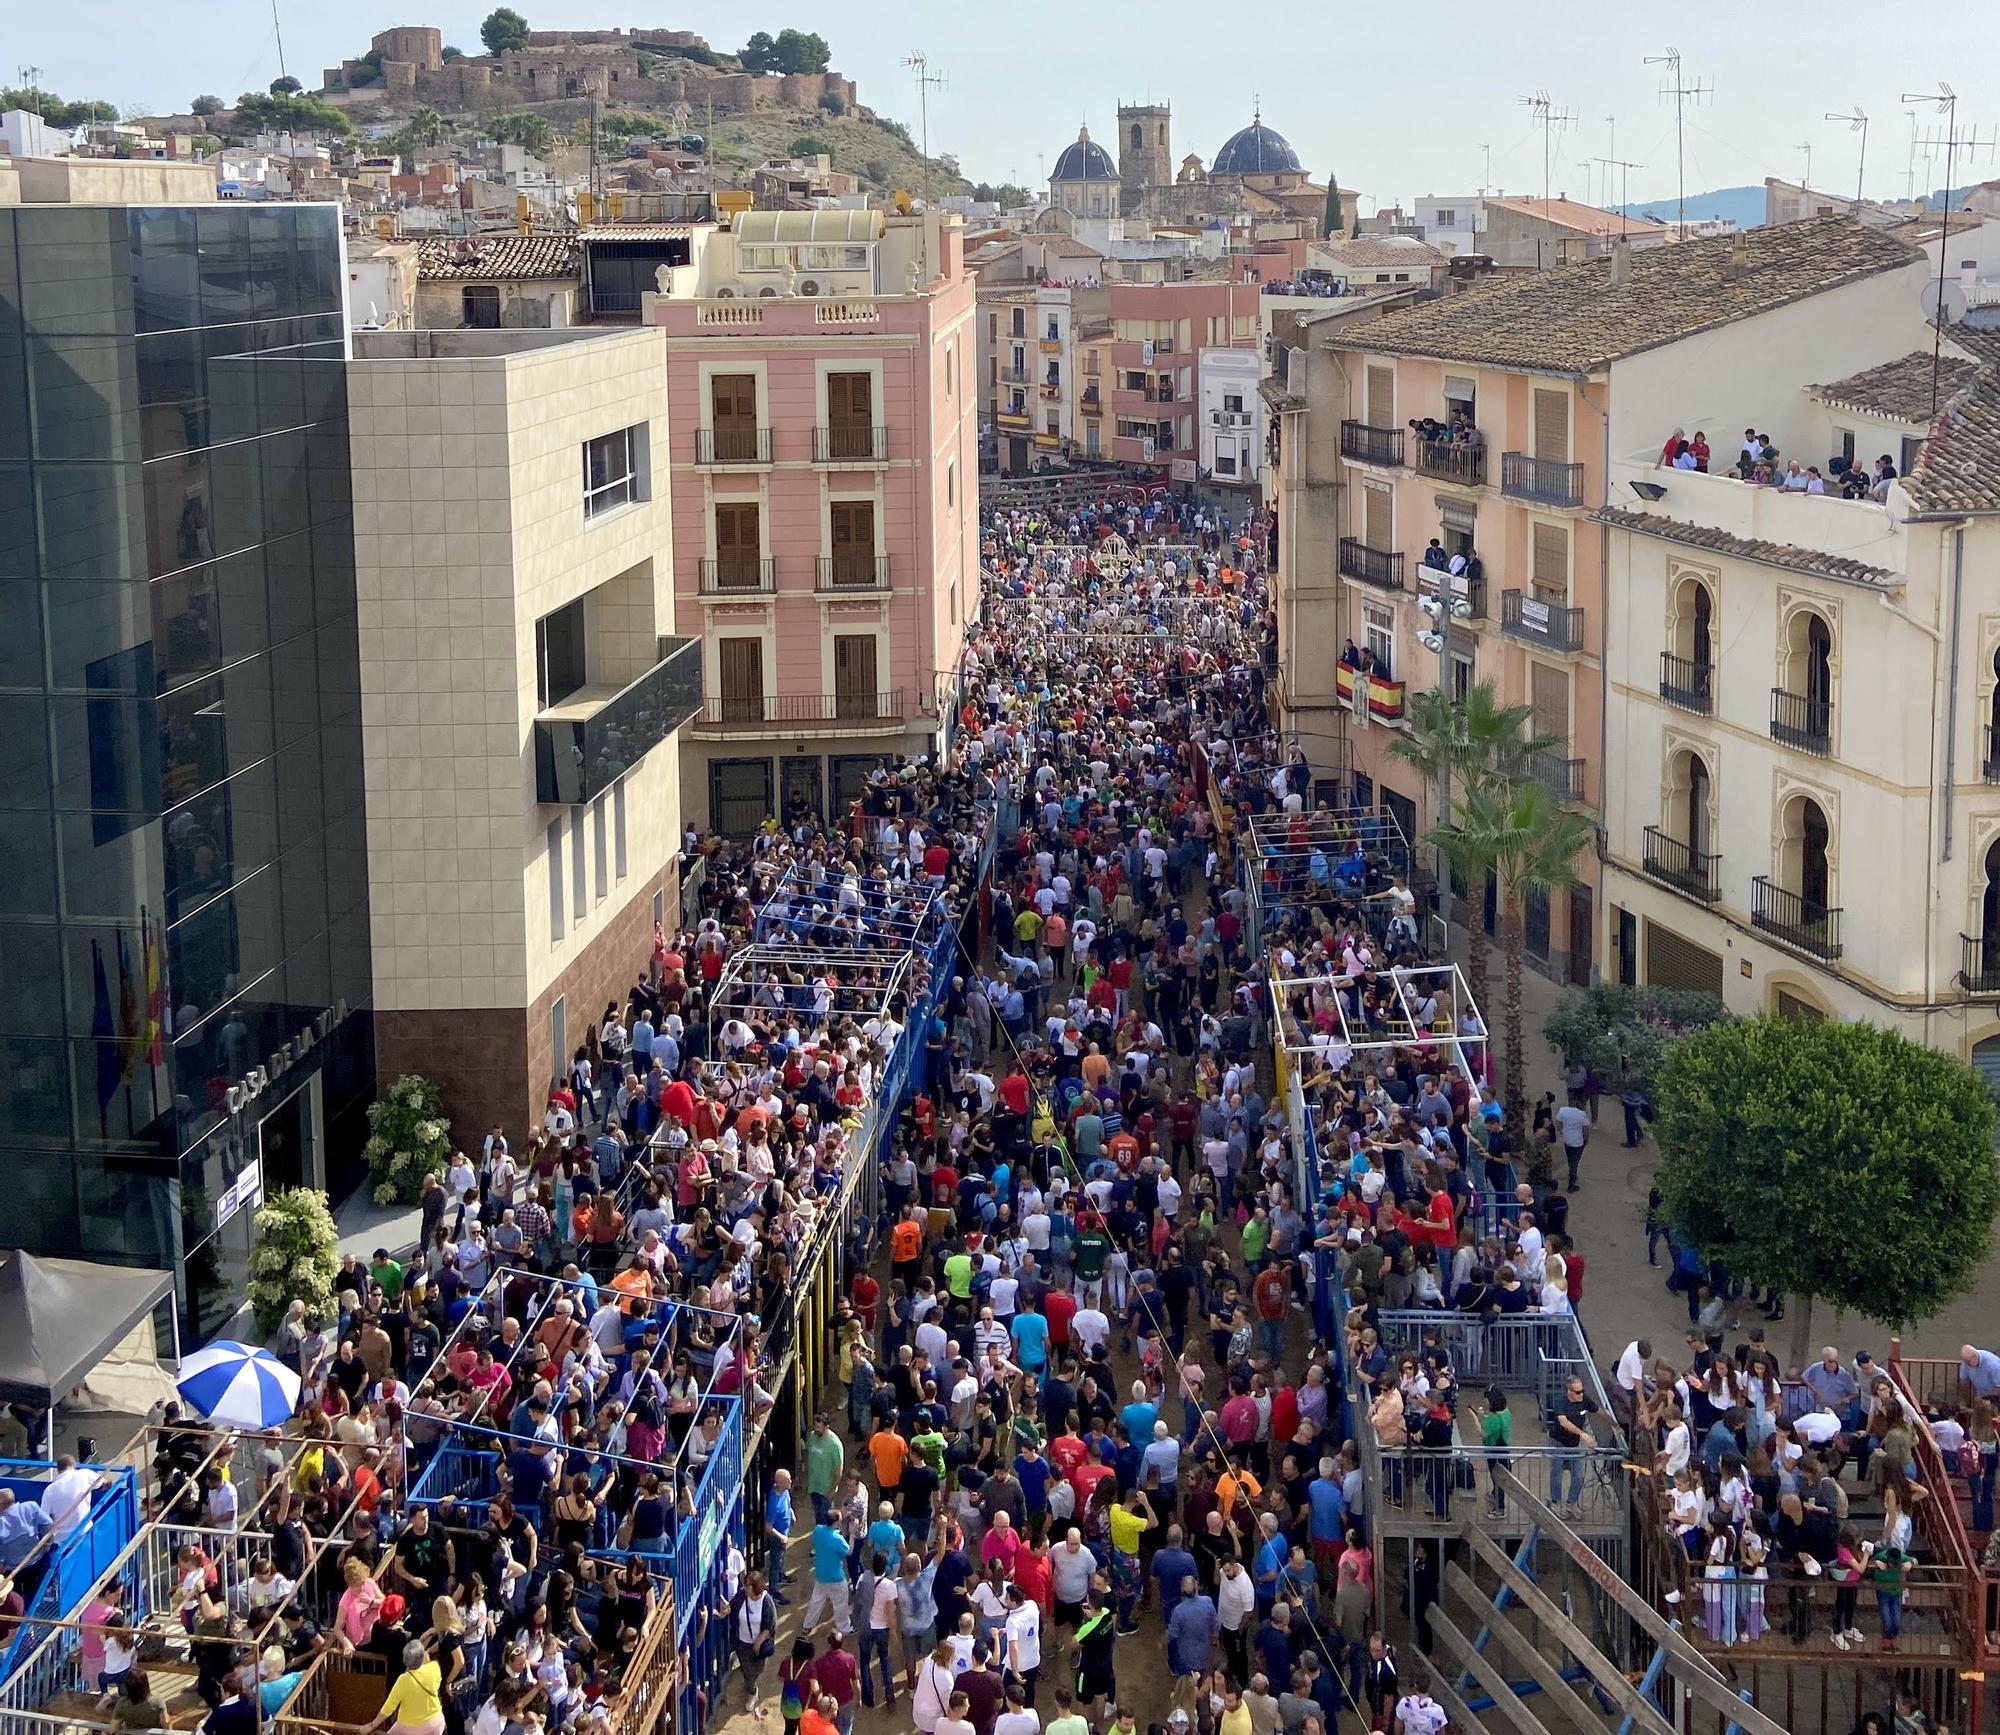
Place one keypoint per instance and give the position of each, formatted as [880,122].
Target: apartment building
[519,693]
[1805,689]
[1158,334]
[1230,416]
[1487,422]
[823,474]
[1027,373]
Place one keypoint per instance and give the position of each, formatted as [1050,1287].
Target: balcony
[1229,418]
[1016,376]
[1368,445]
[1548,624]
[1468,594]
[1019,420]
[1802,721]
[1687,684]
[1979,963]
[1562,778]
[852,443]
[844,573]
[1450,461]
[585,744]
[1385,697]
[788,711]
[1090,399]
[1798,922]
[1051,346]
[1376,566]
[1542,480]
[1693,873]
[732,445]
[1051,390]
[738,575]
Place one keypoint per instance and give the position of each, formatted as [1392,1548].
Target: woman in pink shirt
[360,1607]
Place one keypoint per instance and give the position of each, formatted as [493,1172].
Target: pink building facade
[1158,331]
[824,479]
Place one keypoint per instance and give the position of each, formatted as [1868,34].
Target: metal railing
[1697,873]
[1802,922]
[1016,376]
[1549,624]
[850,443]
[1687,683]
[1452,461]
[579,755]
[1371,445]
[1377,566]
[1803,721]
[853,572]
[732,444]
[784,709]
[738,575]
[1979,963]
[1545,480]
[1561,777]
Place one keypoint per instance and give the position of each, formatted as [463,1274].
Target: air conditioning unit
[767,293]
[810,286]
[725,293]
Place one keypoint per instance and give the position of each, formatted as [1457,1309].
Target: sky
[1398,101]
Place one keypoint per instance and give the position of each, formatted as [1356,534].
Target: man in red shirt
[1015,1091]
[865,1292]
[1059,1308]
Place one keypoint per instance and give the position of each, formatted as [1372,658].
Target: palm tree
[426,127]
[1531,843]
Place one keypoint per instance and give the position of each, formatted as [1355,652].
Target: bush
[833,102]
[809,145]
[408,1138]
[297,1258]
[504,29]
[1622,1033]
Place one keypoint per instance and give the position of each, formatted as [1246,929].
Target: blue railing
[80,1559]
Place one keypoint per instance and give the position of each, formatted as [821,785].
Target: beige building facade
[519,690]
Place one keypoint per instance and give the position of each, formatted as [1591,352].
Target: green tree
[802,51]
[1330,224]
[205,105]
[296,1258]
[504,29]
[809,145]
[424,127]
[1831,1162]
[451,54]
[833,102]
[57,112]
[531,132]
[760,53]
[408,1138]
[1530,842]
[256,113]
[285,86]
[1621,1033]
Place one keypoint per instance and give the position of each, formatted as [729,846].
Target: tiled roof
[1782,554]
[1585,219]
[1574,319]
[1958,468]
[638,232]
[487,257]
[1900,389]
[1385,252]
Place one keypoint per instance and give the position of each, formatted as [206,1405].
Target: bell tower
[1145,152]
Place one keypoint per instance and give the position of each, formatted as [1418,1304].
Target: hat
[393,1608]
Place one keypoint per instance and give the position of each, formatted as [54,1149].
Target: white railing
[846,313]
[1983,292]
[736,313]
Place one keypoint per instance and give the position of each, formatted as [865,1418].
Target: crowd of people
[1757,462]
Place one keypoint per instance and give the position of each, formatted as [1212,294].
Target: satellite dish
[1943,300]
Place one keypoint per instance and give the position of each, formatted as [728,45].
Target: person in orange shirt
[906,1248]
[1233,1482]
[889,1452]
[819,1717]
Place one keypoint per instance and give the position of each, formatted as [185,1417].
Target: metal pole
[1445,598]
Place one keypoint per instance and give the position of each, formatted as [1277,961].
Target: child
[1849,1557]
[1754,1574]
[121,1654]
[1885,1570]
[1496,1434]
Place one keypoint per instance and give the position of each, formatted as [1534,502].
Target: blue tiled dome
[1085,160]
[1256,150]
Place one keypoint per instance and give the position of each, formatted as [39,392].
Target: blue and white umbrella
[239,1386]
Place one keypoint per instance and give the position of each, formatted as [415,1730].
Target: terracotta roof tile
[1783,554]
[1385,252]
[1900,389]
[1958,469]
[1574,320]
[452,257]
[1574,214]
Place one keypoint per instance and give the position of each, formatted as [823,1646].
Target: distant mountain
[1743,205]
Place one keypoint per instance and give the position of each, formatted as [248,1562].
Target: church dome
[1086,160]
[1256,150]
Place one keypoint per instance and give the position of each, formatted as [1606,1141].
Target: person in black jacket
[1378,1680]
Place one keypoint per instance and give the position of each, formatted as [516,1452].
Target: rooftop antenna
[1486,177]
[1946,100]
[1544,114]
[919,63]
[1624,185]
[1805,180]
[1682,92]
[1585,164]
[280,29]
[1857,122]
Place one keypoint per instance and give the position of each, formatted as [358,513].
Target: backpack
[1968,1457]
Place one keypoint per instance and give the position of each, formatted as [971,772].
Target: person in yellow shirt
[415,1705]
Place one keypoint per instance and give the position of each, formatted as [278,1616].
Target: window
[854,671]
[559,654]
[1552,426]
[1912,445]
[1225,462]
[740,662]
[600,825]
[950,369]
[579,887]
[1549,574]
[1379,627]
[618,856]
[610,473]
[850,414]
[1138,137]
[1378,518]
[951,484]
[732,410]
[480,305]
[738,545]
[1020,327]
[558,1039]
[1381,397]
[1232,403]
[555,880]
[852,523]
[1447,218]
[1461,676]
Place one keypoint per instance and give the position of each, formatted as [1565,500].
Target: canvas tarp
[60,1317]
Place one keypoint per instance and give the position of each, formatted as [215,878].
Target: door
[741,665]
[850,416]
[1017,455]
[739,795]
[1548,691]
[1380,529]
[738,545]
[854,689]
[1549,574]
[853,527]
[290,1148]
[800,780]
[733,414]
[1581,939]
[1628,948]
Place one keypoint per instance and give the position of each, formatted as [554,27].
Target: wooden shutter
[1380,528]
[853,526]
[1549,571]
[741,662]
[1552,425]
[738,547]
[1548,692]
[850,399]
[733,400]
[1381,397]
[1675,962]
[854,674]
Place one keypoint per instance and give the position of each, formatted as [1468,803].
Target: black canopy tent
[60,1317]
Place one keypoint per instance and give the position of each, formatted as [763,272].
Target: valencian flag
[110,1069]
[156,997]
[131,1033]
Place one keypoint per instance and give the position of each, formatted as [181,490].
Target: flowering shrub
[296,1258]
[408,1138]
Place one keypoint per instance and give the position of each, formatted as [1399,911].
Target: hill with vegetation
[879,152]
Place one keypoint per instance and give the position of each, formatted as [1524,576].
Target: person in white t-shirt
[1418,1713]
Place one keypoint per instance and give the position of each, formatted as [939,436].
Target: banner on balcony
[1385,697]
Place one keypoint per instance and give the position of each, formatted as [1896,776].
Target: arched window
[1802,705]
[1989,914]
[1989,749]
[1687,676]
[1138,135]
[1808,866]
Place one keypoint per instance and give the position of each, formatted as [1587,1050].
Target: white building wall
[1231,375]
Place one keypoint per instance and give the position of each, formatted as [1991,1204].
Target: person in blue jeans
[875,1599]
[1571,1434]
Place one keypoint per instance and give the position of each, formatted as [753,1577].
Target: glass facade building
[184,952]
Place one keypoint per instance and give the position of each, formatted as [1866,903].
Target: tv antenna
[1552,120]
[1805,179]
[1624,185]
[1946,100]
[1857,122]
[1683,93]
[1486,177]
[919,63]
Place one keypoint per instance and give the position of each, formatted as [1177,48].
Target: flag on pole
[131,1039]
[156,998]
[110,1070]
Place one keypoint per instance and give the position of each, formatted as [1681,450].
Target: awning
[60,1317]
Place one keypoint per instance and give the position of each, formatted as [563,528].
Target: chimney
[1621,262]
[1739,257]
